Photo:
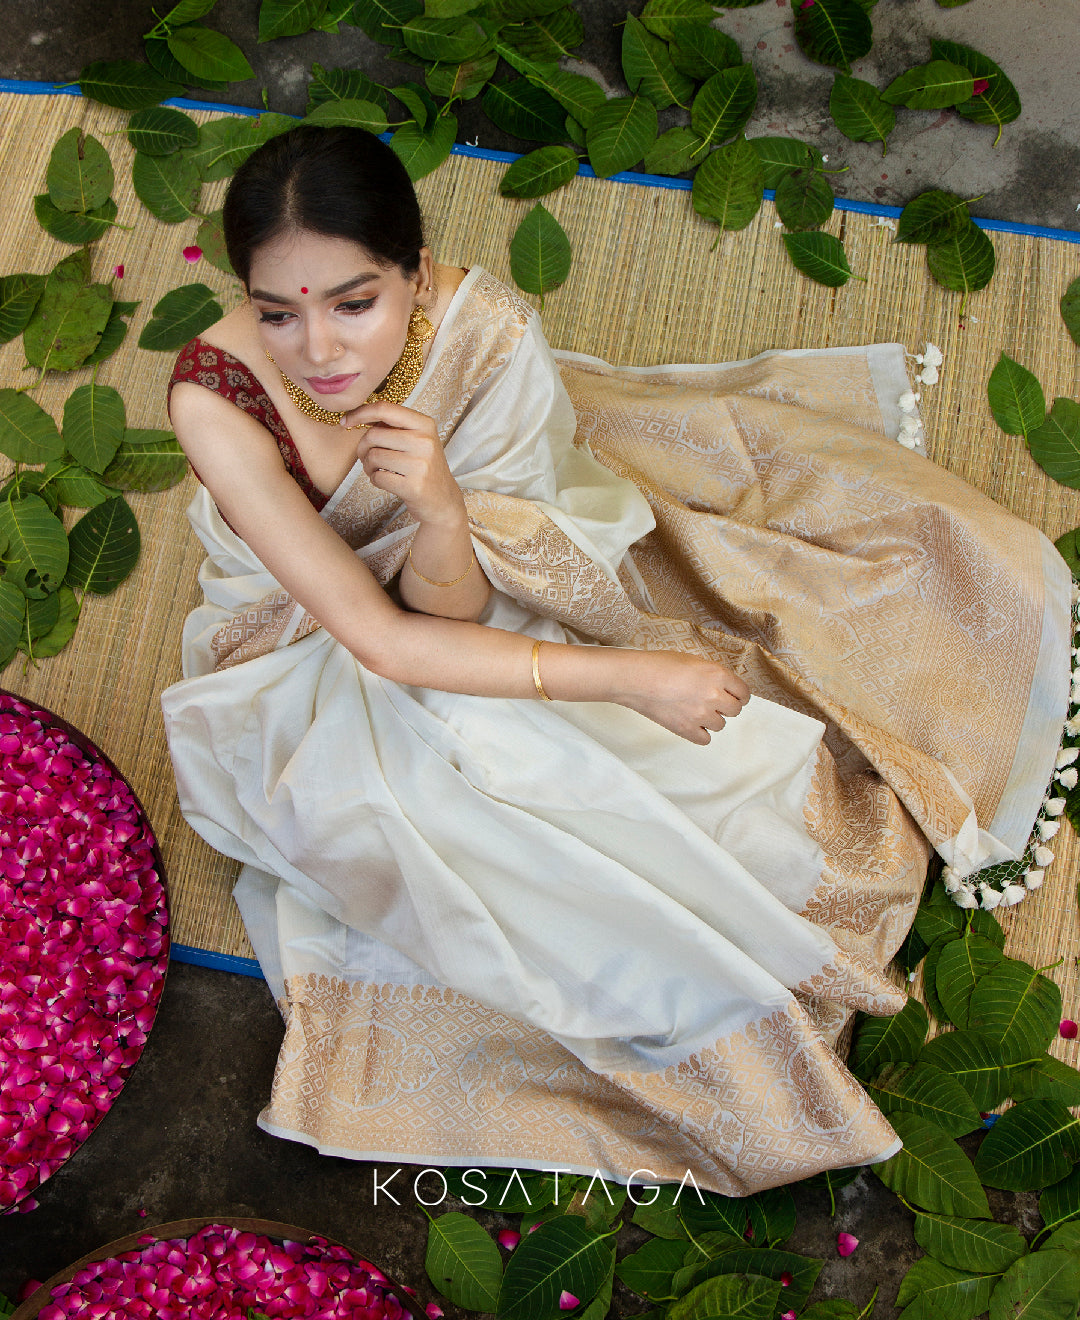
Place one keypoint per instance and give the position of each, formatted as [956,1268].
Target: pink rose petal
[567,1301]
[434,1311]
[118,271]
[785,1280]
[508,1238]
[981,84]
[1067,1029]
[846,1244]
[788,1315]
[192,253]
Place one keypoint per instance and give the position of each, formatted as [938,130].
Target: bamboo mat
[650,284]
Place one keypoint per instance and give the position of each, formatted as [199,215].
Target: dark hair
[340,182]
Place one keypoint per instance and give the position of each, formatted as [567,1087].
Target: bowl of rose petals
[84,941]
[231,1269]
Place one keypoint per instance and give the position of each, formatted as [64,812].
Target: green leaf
[674,152]
[1061,1202]
[93,425]
[343,85]
[999,104]
[515,11]
[1042,1286]
[72,228]
[781,155]
[724,104]
[39,616]
[539,172]
[168,186]
[859,110]
[562,1255]
[728,185]
[69,319]
[1055,445]
[1017,1009]
[209,54]
[939,917]
[973,1061]
[648,1271]
[27,433]
[933,86]
[288,18]
[717,1214]
[1070,309]
[1048,1079]
[79,175]
[832,1308]
[663,1215]
[648,68]
[179,316]
[74,485]
[804,200]
[932,1291]
[159,130]
[37,545]
[421,152]
[12,612]
[547,38]
[980,1245]
[1065,1238]
[223,145]
[417,101]
[896,1039]
[930,966]
[383,19]
[666,18]
[931,1172]
[147,460]
[1068,546]
[462,81]
[700,52]
[187,11]
[104,547]
[620,133]
[749,1297]
[924,1090]
[522,108]
[540,253]
[962,262]
[579,96]
[932,215]
[126,84]
[163,60]
[463,1262]
[114,333]
[820,257]
[63,628]
[351,114]
[210,236]
[833,31]
[446,39]
[768,1263]
[960,965]
[1016,398]
[1034,1144]
[450,8]
[19,295]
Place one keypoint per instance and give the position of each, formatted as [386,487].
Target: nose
[320,343]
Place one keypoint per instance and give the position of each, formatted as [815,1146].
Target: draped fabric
[504,932]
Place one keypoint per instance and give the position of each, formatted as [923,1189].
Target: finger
[392,415]
[397,460]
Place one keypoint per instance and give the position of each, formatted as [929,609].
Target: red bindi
[303,290]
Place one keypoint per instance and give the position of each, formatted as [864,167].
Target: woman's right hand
[690,696]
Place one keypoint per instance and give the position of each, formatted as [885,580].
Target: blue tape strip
[507,157]
[221,962]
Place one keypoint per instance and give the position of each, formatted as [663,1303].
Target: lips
[330,384]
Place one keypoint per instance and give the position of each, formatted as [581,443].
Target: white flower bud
[1043,856]
[1054,807]
[964,898]
[1033,879]
[990,897]
[934,356]
[906,402]
[1066,756]
[952,881]
[1012,894]
[1067,778]
[1046,829]
[929,374]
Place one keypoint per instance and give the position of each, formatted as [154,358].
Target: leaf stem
[868,1308]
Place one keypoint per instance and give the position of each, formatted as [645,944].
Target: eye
[357,305]
[274,318]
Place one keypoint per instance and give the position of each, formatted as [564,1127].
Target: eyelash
[355,308]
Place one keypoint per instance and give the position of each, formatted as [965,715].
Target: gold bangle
[453,581]
[536,673]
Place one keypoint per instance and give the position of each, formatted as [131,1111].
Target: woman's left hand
[401,453]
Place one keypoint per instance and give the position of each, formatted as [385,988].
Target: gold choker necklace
[396,388]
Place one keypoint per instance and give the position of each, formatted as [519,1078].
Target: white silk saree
[512,933]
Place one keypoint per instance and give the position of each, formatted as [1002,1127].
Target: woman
[509,920]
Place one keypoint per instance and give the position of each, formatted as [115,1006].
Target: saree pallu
[512,933]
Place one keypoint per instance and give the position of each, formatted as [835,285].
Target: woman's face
[332,317]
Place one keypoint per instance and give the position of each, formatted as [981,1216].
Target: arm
[239,463]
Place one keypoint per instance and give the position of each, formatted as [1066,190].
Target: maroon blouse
[200,363]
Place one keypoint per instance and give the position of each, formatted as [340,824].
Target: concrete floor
[182,1139]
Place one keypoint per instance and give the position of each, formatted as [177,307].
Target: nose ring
[339,348]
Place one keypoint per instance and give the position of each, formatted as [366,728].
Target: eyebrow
[355,283]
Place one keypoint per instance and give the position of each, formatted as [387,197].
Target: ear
[424,280]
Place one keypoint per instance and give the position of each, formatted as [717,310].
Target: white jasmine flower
[885,223]
[1033,879]
[991,897]
[1048,828]
[1066,756]
[928,375]
[951,880]
[1055,807]
[964,898]
[1012,894]
[1067,778]
[907,402]
[825,160]
[1043,856]
[933,356]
